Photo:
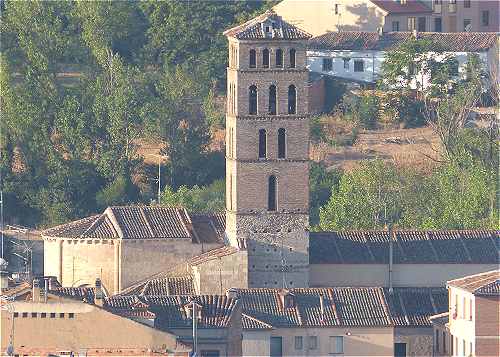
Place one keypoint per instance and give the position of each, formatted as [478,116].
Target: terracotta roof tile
[251,323]
[213,254]
[358,40]
[409,247]
[482,284]
[253,29]
[85,294]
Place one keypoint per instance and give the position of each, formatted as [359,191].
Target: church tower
[267,150]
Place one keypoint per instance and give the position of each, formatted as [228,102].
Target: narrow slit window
[272,100]
[265,58]
[253,62]
[281,143]
[292,58]
[272,190]
[262,144]
[279,57]
[292,100]
[252,100]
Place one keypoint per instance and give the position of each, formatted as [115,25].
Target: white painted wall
[256,343]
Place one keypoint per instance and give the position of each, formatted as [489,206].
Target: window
[52,315]
[411,23]
[452,6]
[281,143]
[470,310]
[438,24]
[279,57]
[262,144]
[436,344]
[292,99]
[252,100]
[463,347]
[272,100]
[25,314]
[271,196]
[230,198]
[471,352]
[265,58]
[298,342]
[359,66]
[337,9]
[292,58]
[61,315]
[313,342]
[467,25]
[451,344]
[400,349]
[71,315]
[276,347]
[346,63]
[16,314]
[455,313]
[253,62]
[467,4]
[485,18]
[34,314]
[327,64]
[395,26]
[43,315]
[336,344]
[444,342]
[421,24]
[210,353]
[464,308]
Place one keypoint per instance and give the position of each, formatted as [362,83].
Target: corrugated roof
[253,29]
[483,284]
[409,247]
[361,41]
[144,222]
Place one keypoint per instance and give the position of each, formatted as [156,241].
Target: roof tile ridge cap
[43,232]
[401,302]
[93,224]
[250,22]
[469,257]
[114,222]
[330,292]
[475,275]
[385,305]
[180,212]
[484,281]
[256,319]
[143,215]
[367,243]
[431,243]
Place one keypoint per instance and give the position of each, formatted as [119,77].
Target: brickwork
[277,241]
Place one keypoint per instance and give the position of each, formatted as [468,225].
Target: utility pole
[195,329]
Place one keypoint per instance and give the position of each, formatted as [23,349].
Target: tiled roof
[440,319]
[144,222]
[409,247]
[251,323]
[394,7]
[360,41]
[85,294]
[212,254]
[253,29]
[483,284]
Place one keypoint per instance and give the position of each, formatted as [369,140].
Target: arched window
[292,100]
[272,194]
[292,58]
[281,143]
[252,100]
[262,144]
[272,100]
[265,58]
[279,57]
[253,61]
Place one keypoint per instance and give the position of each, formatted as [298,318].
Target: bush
[362,110]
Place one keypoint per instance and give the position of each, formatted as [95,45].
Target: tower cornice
[271,117]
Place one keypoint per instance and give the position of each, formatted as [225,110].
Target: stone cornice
[271,117]
[263,161]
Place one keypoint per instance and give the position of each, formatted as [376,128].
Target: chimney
[35,292]
[322,306]
[4,275]
[46,289]
[415,34]
[99,296]
[232,293]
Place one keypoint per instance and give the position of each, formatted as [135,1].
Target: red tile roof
[212,255]
[361,41]
[395,7]
[482,284]
[144,222]
[252,29]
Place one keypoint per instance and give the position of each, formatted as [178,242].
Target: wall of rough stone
[419,341]
[218,275]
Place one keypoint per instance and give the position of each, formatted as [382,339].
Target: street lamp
[159,175]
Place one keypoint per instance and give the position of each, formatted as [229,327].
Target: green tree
[321,184]
[196,199]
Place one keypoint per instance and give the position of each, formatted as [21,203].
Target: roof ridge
[114,222]
[256,319]
[143,215]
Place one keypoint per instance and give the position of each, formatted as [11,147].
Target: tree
[321,184]
[197,199]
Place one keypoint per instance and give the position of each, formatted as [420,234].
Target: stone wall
[419,341]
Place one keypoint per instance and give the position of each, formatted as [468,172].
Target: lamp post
[159,176]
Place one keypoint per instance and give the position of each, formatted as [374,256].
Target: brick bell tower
[267,150]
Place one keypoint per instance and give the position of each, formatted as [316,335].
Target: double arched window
[281,143]
[272,197]
[272,100]
[262,144]
[292,99]
[265,58]
[279,57]
[252,100]
[253,59]
[292,58]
